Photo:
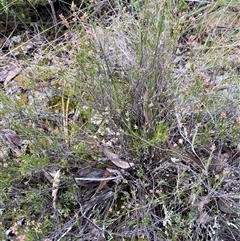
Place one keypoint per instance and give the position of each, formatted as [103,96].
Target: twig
[98,179]
[53,15]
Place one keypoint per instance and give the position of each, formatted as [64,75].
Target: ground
[122,123]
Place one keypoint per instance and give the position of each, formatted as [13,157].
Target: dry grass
[157,89]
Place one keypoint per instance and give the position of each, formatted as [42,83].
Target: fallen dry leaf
[227,206]
[12,137]
[116,160]
[107,173]
[56,181]
[104,182]
[15,141]
[9,72]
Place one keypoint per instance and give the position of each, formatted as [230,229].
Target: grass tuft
[154,84]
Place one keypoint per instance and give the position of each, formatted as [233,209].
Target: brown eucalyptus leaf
[227,206]
[9,73]
[12,137]
[116,160]
[15,141]
[104,182]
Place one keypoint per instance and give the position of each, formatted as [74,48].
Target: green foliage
[30,164]
[19,8]
[126,85]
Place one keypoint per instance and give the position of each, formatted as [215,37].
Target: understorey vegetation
[120,120]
